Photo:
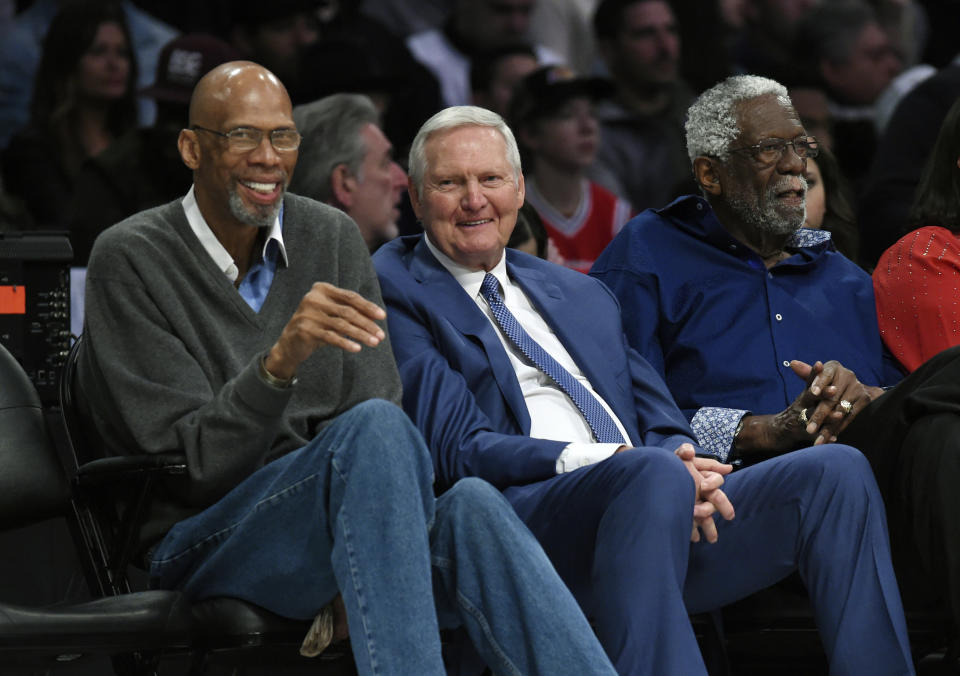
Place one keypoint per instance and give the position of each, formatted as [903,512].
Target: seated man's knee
[378,436]
[378,411]
[652,477]
[473,511]
[837,462]
[472,497]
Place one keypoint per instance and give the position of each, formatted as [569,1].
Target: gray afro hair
[712,119]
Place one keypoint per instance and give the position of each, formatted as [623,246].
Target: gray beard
[258,216]
[768,220]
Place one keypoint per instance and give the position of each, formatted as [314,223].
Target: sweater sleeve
[372,372]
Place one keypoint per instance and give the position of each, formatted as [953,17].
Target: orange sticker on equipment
[13,300]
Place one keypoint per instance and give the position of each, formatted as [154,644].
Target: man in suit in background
[347,162]
[517,371]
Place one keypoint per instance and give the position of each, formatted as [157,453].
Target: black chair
[133,629]
[115,492]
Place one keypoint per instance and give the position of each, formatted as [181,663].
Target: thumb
[801,368]
[686,452]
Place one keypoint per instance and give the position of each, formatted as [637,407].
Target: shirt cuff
[715,428]
[577,455]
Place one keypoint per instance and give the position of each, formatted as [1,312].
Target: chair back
[33,485]
[77,435]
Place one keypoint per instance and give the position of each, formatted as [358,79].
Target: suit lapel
[462,312]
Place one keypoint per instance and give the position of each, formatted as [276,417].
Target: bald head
[228,85]
[238,146]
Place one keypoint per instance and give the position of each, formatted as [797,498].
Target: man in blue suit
[516,370]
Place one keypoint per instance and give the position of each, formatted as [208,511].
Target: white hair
[459,116]
[712,121]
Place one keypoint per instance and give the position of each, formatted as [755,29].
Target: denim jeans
[353,511]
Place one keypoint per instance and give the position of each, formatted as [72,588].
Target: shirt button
[779,317]
[786,363]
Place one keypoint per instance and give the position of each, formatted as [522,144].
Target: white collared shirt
[553,415]
[223,260]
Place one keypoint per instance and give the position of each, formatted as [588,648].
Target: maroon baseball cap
[183,61]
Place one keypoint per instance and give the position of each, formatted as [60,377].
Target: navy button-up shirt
[722,329]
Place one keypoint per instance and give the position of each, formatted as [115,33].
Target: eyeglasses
[770,151]
[246,139]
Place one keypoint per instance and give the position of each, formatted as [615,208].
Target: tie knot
[490,287]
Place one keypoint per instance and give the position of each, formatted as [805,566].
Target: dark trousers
[618,532]
[911,436]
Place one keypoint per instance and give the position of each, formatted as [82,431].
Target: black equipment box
[35,304]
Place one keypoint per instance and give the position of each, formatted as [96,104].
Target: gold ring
[845,406]
[803,416]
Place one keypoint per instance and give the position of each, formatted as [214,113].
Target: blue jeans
[618,533]
[353,511]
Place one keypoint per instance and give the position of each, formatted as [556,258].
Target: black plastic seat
[33,488]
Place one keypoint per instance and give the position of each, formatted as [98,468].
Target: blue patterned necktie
[604,429]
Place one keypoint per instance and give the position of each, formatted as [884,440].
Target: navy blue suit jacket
[460,388]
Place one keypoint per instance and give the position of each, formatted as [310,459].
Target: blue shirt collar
[694,214]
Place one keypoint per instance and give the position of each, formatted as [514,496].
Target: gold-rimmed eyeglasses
[769,151]
[245,139]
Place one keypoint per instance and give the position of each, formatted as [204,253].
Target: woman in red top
[917,280]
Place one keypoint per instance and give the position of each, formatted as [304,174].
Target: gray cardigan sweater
[170,361]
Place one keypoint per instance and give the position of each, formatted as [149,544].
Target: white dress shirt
[553,415]
[223,260]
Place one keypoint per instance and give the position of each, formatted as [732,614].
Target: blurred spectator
[915,281]
[845,47]
[899,87]
[565,26]
[406,17]
[346,161]
[118,182]
[83,99]
[708,31]
[360,55]
[474,27]
[901,155]
[642,152]
[765,44]
[844,44]
[529,235]
[21,46]
[907,26]
[552,118]
[494,75]
[830,204]
[813,108]
[275,34]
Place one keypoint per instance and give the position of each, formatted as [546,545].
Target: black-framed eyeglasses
[245,139]
[769,151]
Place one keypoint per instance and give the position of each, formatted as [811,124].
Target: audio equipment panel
[35,304]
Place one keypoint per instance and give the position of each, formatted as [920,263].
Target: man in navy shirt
[734,304]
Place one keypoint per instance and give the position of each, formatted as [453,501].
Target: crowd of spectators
[847,65]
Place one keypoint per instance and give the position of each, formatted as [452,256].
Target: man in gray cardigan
[243,327]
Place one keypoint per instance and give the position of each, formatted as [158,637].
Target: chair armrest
[104,471]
